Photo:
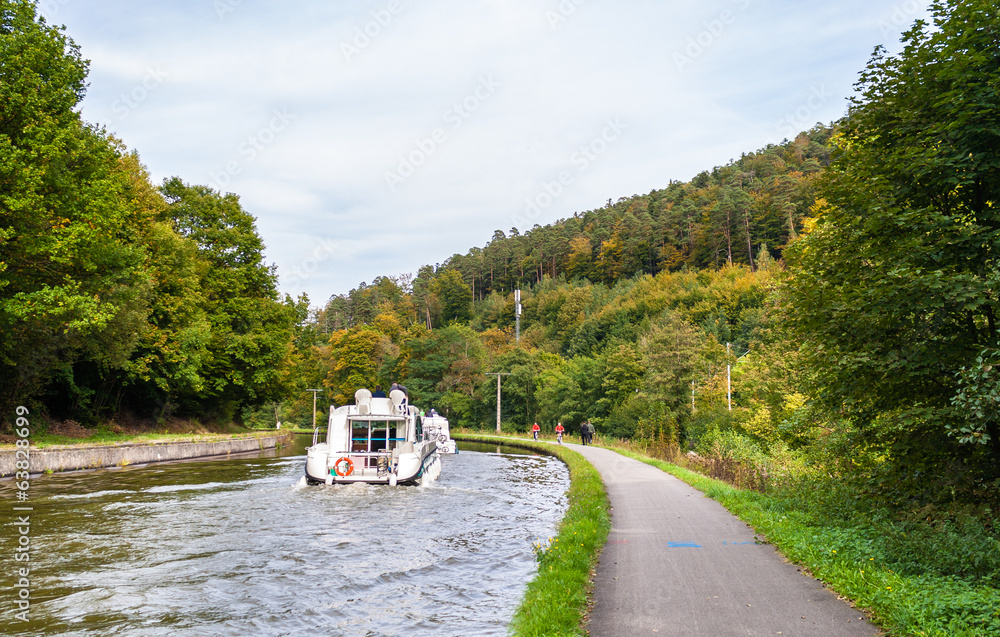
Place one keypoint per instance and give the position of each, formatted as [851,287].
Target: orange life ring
[350,467]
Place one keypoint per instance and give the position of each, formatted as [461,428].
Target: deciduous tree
[895,292]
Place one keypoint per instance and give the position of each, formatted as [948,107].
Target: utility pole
[314,391]
[498,375]
[517,315]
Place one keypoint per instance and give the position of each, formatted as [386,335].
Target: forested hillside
[745,212]
[603,294]
[626,309]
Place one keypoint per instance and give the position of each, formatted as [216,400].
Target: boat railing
[378,460]
[379,439]
[315,435]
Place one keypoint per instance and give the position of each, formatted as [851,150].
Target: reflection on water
[241,547]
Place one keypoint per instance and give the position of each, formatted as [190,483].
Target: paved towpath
[678,563]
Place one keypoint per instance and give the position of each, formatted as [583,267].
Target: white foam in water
[184,487]
[87,496]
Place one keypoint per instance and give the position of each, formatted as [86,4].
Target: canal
[243,547]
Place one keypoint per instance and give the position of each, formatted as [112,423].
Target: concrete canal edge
[73,458]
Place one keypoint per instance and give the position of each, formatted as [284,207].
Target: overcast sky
[371,137]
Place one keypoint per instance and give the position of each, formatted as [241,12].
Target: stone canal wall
[73,458]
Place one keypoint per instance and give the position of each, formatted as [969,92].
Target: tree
[895,291]
[73,282]
[251,329]
[622,377]
[455,295]
[443,367]
[355,357]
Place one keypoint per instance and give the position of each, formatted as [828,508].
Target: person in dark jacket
[396,386]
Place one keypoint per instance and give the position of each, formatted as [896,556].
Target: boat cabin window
[359,436]
[381,435]
[372,436]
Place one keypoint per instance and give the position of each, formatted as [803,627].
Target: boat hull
[323,467]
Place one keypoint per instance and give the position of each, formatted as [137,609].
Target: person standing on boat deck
[378,393]
[396,386]
[405,391]
[535,429]
[559,432]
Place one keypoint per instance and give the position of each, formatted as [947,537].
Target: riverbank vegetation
[555,602]
[73,434]
[841,284]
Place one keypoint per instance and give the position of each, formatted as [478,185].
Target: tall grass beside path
[555,602]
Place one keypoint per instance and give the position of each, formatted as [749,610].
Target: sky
[369,138]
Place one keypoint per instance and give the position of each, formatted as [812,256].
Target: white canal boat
[436,428]
[376,441]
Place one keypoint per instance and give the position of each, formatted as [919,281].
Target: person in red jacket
[559,432]
[535,429]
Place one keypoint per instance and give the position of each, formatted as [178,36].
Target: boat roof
[368,407]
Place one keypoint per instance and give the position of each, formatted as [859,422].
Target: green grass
[854,559]
[555,602]
[106,437]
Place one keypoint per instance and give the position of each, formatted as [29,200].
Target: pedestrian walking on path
[559,432]
[677,563]
[583,432]
[535,429]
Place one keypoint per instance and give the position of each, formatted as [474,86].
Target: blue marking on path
[737,543]
[683,545]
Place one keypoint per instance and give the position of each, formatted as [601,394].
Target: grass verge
[850,560]
[44,441]
[555,602]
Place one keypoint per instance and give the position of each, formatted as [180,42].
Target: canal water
[242,547]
